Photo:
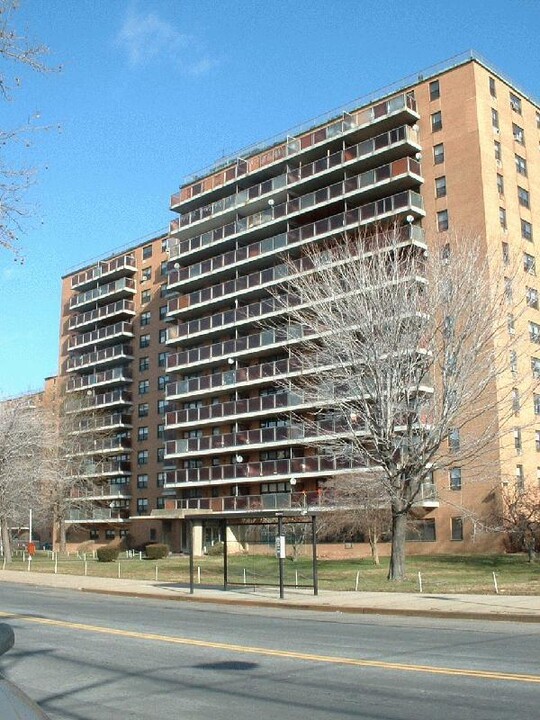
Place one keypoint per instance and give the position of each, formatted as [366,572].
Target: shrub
[156,551]
[107,553]
[215,549]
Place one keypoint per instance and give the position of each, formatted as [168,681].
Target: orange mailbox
[31,548]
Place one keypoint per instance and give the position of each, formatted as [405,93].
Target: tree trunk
[396,571]
[6,541]
[374,545]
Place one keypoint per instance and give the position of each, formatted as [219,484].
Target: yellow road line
[253,650]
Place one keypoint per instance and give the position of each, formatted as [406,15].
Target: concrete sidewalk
[520,608]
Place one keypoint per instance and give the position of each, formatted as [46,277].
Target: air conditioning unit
[499,163]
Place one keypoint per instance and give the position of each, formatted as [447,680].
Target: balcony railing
[110,332]
[96,515]
[124,286]
[298,433]
[313,466]
[102,422]
[252,406]
[102,491]
[332,193]
[122,307]
[109,399]
[109,377]
[244,503]
[105,468]
[100,357]
[101,446]
[102,269]
[348,123]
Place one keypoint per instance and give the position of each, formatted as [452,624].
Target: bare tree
[16,50]
[24,440]
[362,509]
[404,349]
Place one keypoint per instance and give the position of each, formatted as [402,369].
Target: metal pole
[314,549]
[225,555]
[280,559]
[30,526]
[191,568]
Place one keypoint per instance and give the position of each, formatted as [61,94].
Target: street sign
[280,546]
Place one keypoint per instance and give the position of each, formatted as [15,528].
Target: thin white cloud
[146,38]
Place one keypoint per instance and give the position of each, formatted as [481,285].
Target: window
[144,364]
[144,341]
[163,312]
[515,103]
[163,336]
[436,121]
[506,253]
[455,478]
[275,454]
[434,90]
[145,318]
[510,324]
[142,506]
[163,291]
[518,133]
[502,218]
[161,407]
[110,534]
[94,534]
[421,531]
[538,119]
[515,400]
[162,381]
[529,263]
[454,439]
[146,296]
[526,230]
[508,290]
[143,409]
[193,434]
[142,457]
[142,481]
[495,118]
[513,362]
[500,184]
[144,387]
[536,404]
[492,88]
[537,440]
[520,477]
[162,359]
[163,268]
[164,245]
[160,503]
[457,528]
[523,197]
[534,332]
[275,487]
[146,274]
[147,252]
[440,186]
[142,433]
[532,297]
[160,454]
[497,148]
[442,220]
[535,367]
[161,479]
[192,464]
[160,432]
[517,439]
[521,165]
[438,154]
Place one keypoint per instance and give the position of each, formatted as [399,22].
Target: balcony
[102,492]
[268,470]
[97,515]
[105,335]
[105,468]
[396,110]
[116,267]
[247,440]
[102,446]
[125,287]
[112,354]
[232,410]
[402,174]
[247,503]
[116,376]
[124,308]
[116,421]
[104,400]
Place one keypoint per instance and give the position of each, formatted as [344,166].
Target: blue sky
[153,90]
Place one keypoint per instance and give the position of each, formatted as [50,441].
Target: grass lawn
[439,573]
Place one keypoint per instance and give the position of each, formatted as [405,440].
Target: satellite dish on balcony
[292,481]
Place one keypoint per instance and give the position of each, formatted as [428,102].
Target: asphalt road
[90,657]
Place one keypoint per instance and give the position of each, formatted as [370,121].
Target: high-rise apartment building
[454,149]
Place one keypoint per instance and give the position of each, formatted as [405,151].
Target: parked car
[14,704]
